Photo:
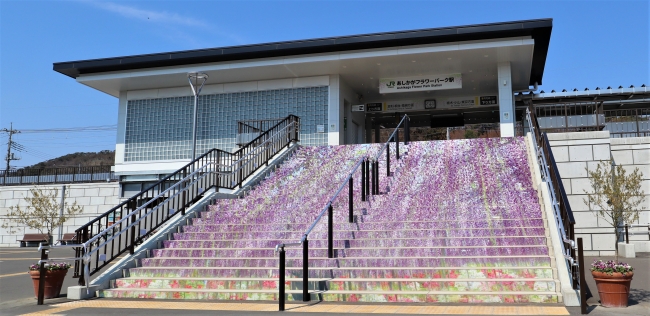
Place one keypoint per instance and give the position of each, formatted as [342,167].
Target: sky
[593,44]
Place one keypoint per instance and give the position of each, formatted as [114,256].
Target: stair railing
[120,229]
[563,216]
[369,185]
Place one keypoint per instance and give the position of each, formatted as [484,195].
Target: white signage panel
[420,83]
[464,102]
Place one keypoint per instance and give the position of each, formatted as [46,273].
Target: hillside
[101,158]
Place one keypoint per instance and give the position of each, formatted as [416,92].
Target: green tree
[615,197]
[42,212]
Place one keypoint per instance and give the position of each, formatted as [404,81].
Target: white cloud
[148,15]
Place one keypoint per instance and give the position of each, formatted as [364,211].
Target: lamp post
[196,90]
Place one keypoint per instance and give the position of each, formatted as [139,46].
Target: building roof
[539,30]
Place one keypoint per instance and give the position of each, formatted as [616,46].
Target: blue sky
[594,43]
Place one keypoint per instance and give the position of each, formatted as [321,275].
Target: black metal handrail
[80,174]
[123,227]
[369,186]
[560,203]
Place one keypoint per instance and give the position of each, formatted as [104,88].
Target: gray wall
[574,152]
[95,198]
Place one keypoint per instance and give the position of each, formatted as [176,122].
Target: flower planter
[613,288]
[53,282]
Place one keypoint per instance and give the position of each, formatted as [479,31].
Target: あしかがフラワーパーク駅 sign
[420,83]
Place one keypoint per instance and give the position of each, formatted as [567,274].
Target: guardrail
[30,176]
[123,227]
[369,186]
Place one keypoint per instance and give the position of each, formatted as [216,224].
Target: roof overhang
[539,31]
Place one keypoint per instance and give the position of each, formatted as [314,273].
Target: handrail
[114,231]
[563,215]
[396,131]
[363,162]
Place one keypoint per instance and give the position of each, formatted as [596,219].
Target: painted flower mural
[458,221]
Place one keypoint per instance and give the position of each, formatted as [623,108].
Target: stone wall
[95,198]
[574,154]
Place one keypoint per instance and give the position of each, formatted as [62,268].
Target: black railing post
[397,142]
[583,283]
[367,163]
[376,169]
[627,235]
[363,180]
[305,271]
[41,277]
[132,239]
[407,131]
[330,232]
[281,282]
[371,172]
[388,159]
[350,200]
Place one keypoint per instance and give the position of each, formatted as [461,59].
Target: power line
[72,129]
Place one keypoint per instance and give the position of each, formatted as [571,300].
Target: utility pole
[11,131]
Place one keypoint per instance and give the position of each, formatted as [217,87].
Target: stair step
[356,252]
[319,243]
[357,284]
[497,271]
[340,296]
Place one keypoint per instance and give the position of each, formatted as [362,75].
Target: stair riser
[343,262]
[386,225]
[351,253]
[271,296]
[347,285]
[437,232]
[484,273]
[355,227]
[352,243]
[381,234]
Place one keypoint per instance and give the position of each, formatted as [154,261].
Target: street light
[196,90]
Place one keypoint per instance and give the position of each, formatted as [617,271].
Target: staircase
[459,221]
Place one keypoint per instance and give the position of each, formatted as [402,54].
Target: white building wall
[94,198]
[575,153]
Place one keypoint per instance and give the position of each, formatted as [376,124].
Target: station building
[351,89]
[344,89]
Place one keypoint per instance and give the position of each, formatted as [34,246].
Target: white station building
[341,87]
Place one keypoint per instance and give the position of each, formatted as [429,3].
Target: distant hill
[102,158]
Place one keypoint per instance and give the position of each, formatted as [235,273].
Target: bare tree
[615,197]
[42,212]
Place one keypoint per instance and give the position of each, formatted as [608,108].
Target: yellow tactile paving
[311,308]
[388,309]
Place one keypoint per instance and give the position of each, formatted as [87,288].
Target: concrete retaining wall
[95,198]
[574,153]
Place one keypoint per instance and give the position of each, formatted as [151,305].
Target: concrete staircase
[459,221]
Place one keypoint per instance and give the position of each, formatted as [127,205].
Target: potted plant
[43,212]
[54,276]
[615,197]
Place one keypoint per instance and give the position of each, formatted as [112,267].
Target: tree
[616,195]
[42,212]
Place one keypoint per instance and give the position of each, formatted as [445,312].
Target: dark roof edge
[539,30]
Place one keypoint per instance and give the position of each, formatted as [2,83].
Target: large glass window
[161,129]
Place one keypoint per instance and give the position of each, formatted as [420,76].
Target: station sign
[420,83]
[429,104]
[374,107]
[464,102]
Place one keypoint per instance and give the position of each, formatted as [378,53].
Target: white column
[334,116]
[506,100]
[121,128]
